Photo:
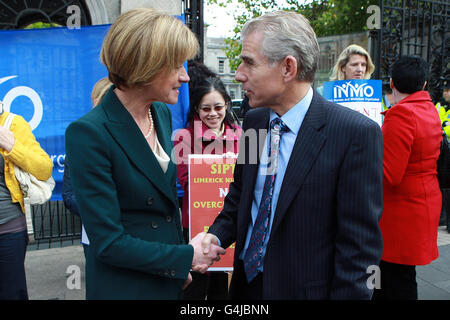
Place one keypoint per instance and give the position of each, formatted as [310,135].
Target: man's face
[262,82]
[446,95]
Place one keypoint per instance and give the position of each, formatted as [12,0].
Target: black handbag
[443,163]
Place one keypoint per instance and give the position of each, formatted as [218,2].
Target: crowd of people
[331,194]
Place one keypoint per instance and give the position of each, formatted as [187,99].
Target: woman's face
[212,110]
[165,86]
[355,68]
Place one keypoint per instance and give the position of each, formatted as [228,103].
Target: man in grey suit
[305,216]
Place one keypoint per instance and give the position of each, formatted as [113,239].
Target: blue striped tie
[253,255]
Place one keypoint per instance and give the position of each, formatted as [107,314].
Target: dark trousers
[445,212]
[13,284]
[398,282]
[209,286]
[240,288]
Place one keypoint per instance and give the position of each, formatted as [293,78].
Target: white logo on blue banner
[47,75]
[364,96]
[25,92]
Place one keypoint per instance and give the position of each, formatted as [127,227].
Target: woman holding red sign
[210,130]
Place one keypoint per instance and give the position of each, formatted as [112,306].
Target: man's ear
[289,68]
[392,84]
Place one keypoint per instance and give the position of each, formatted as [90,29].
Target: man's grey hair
[287,34]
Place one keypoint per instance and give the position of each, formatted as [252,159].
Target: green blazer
[128,205]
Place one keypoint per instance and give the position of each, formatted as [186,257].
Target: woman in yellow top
[19,147]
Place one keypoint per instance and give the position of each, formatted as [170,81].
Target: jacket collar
[126,133]
[310,141]
[418,96]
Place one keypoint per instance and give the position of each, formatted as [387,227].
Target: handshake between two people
[206,251]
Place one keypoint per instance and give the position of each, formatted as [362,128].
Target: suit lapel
[260,123]
[126,133]
[307,147]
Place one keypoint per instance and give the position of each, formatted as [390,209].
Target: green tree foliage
[327,17]
[42,25]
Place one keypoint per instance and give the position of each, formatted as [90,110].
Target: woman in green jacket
[123,178]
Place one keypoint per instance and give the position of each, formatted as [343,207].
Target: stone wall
[106,11]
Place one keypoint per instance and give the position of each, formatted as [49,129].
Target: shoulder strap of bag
[9,120]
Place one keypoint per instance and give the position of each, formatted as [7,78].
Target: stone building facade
[106,11]
[216,60]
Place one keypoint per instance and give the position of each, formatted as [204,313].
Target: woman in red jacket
[210,130]
[412,198]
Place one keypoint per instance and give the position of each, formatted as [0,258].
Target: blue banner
[363,96]
[47,75]
[353,90]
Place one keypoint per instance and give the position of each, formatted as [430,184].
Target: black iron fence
[20,14]
[414,27]
[54,225]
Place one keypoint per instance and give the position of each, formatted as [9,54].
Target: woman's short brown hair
[143,42]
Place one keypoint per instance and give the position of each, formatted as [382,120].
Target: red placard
[209,180]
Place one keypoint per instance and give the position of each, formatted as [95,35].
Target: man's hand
[209,239]
[202,260]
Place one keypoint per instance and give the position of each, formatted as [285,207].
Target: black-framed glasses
[207,108]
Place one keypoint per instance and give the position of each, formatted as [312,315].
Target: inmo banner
[363,96]
[47,75]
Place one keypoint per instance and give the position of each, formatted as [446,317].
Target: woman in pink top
[210,130]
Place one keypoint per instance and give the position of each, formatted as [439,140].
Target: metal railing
[54,226]
[414,27]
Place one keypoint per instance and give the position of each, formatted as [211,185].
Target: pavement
[58,273]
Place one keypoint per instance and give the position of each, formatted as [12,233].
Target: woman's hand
[204,258]
[7,139]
